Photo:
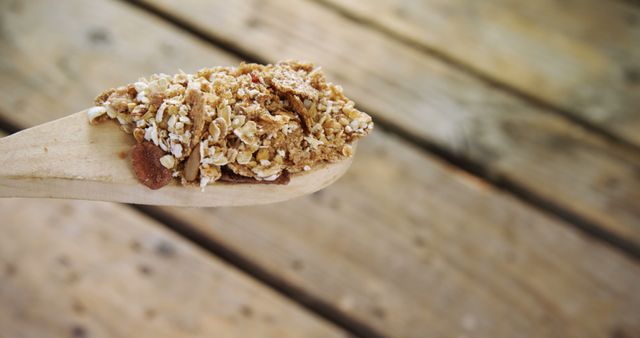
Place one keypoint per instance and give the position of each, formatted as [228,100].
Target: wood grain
[405,243]
[580,55]
[538,150]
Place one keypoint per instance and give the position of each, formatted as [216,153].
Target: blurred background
[499,195]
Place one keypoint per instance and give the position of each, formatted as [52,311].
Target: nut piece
[95,113]
[138,134]
[145,159]
[347,150]
[195,99]
[192,165]
[168,161]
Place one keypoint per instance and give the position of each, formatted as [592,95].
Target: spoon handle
[59,158]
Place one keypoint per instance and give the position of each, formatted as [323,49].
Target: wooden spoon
[69,158]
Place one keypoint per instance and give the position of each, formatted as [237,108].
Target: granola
[247,123]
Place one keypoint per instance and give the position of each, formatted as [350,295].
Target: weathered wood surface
[405,245]
[580,55]
[537,149]
[88,269]
[403,242]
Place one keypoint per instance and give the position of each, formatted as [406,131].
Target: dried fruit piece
[145,158]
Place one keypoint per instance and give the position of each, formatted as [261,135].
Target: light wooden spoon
[69,158]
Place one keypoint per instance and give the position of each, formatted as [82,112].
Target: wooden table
[498,197]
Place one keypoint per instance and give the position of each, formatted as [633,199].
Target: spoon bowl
[70,158]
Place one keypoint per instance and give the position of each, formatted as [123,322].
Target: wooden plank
[415,251]
[542,152]
[403,242]
[89,269]
[580,55]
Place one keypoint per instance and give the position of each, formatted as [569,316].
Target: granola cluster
[253,121]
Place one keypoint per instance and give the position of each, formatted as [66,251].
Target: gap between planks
[474,168]
[309,302]
[301,297]
[631,2]
[478,74]
[8,127]
[518,191]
